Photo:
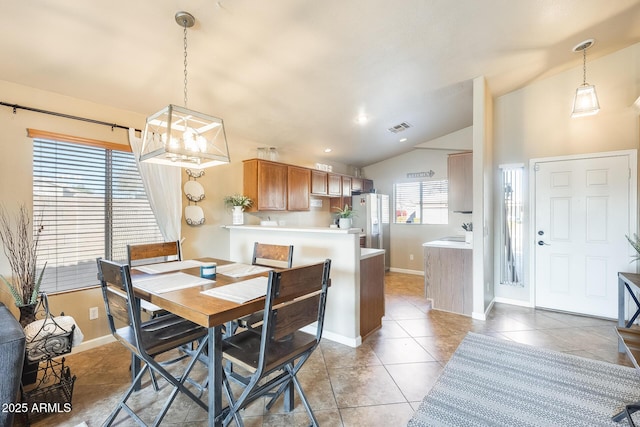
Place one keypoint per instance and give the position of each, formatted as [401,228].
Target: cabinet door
[367,185]
[299,186]
[461,182]
[272,186]
[319,183]
[346,187]
[356,185]
[334,184]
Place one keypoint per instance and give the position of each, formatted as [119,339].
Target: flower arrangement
[345,212]
[467,226]
[238,200]
[20,245]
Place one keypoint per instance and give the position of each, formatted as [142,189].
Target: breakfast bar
[345,305]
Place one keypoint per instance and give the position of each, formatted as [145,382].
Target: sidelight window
[511,268]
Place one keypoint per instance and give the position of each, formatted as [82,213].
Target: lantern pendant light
[181,137]
[585,102]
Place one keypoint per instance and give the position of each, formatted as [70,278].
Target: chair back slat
[153,252]
[298,281]
[294,316]
[280,256]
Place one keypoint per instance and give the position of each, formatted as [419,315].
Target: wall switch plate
[93,313]
[410,257]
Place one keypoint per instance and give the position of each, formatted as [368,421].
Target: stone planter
[237,215]
[345,222]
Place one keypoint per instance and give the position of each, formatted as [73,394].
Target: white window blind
[92,204]
[421,202]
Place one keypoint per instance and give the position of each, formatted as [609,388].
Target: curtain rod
[66,116]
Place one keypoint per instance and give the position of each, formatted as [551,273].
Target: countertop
[296,229]
[370,252]
[452,244]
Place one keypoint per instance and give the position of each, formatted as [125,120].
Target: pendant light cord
[584,67]
[185,64]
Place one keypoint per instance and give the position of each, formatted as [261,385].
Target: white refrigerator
[371,216]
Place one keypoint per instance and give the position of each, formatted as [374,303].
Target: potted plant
[635,243]
[238,203]
[468,231]
[345,216]
[20,244]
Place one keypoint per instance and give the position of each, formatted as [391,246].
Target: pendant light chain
[185,64]
[584,66]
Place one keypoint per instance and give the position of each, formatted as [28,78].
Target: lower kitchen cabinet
[448,280]
[371,293]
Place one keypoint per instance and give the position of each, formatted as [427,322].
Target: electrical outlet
[93,313]
[410,257]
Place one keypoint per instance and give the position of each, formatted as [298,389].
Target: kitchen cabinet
[460,171]
[319,183]
[371,293]
[298,188]
[334,184]
[266,184]
[356,185]
[448,278]
[367,185]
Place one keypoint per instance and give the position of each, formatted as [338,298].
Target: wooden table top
[204,310]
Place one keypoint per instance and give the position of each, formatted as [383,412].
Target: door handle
[542,243]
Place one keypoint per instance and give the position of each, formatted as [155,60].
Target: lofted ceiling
[295,74]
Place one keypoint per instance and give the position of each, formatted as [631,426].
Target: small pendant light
[585,102]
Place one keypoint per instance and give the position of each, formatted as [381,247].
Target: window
[92,204]
[511,268]
[421,202]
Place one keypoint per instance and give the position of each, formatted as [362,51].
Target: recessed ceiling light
[403,140]
[362,119]
[327,150]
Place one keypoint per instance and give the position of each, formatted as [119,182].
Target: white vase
[344,223]
[238,217]
[468,236]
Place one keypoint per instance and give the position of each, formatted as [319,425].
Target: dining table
[205,310]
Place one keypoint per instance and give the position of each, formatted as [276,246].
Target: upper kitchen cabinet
[298,188]
[461,182]
[334,184]
[319,183]
[266,184]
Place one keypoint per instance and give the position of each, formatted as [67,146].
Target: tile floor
[380,383]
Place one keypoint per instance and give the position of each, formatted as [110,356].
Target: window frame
[422,206]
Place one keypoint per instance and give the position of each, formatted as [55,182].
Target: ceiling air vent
[399,128]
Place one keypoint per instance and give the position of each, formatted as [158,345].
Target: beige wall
[16,184]
[406,239]
[535,122]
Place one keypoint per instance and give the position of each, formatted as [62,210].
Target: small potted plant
[635,243]
[468,231]
[238,203]
[345,216]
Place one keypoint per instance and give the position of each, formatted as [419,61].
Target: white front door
[582,214]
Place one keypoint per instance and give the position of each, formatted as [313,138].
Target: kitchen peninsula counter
[342,321]
[448,274]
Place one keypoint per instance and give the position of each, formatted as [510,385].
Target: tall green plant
[20,245]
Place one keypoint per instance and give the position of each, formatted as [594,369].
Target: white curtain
[163,186]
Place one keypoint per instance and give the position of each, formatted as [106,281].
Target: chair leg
[626,413]
[122,404]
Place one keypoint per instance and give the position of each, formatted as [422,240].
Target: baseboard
[332,336]
[403,270]
[513,302]
[96,342]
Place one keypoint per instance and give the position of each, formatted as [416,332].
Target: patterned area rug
[494,382]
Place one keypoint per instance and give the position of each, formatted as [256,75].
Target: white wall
[407,239]
[535,122]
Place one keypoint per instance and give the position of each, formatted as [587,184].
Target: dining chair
[272,255]
[631,339]
[146,340]
[295,299]
[267,255]
[150,253]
